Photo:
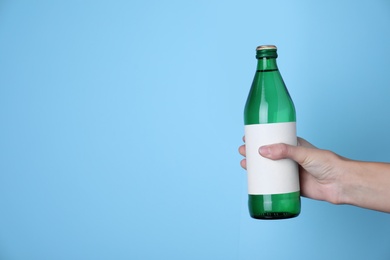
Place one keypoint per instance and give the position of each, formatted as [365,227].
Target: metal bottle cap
[266,47]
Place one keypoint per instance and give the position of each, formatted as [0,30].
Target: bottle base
[275,215]
[275,206]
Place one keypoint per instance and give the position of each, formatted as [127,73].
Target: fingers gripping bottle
[269,116]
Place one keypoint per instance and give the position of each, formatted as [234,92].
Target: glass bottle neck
[266,64]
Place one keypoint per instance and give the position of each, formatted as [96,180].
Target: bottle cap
[266,51]
[266,47]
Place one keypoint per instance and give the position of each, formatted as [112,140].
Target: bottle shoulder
[269,100]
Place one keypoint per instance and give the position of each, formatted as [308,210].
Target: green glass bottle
[269,117]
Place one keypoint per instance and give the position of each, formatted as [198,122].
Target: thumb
[285,151]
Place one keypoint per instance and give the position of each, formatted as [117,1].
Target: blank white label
[267,176]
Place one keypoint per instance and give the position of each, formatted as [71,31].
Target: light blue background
[120,123]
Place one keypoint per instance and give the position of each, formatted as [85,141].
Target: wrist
[366,184]
[342,180]
[347,182]
[358,184]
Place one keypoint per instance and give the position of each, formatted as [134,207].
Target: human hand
[319,170]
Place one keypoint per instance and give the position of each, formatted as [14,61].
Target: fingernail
[264,150]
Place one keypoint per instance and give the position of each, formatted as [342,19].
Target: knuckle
[282,150]
[285,150]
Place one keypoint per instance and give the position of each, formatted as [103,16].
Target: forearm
[367,185]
